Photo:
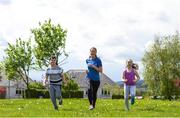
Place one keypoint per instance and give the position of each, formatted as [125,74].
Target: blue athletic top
[92,73]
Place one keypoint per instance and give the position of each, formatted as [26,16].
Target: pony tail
[135,66]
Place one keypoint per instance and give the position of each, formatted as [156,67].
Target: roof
[5,82]
[79,75]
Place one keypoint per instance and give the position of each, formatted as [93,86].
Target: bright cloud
[120,29]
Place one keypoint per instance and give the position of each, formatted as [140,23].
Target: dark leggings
[92,92]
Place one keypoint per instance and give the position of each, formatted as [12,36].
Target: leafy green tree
[1,66]
[50,40]
[19,60]
[71,85]
[37,85]
[162,66]
[117,90]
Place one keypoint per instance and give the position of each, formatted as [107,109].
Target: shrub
[72,94]
[36,85]
[117,96]
[37,93]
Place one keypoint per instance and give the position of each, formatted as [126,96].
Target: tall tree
[162,65]
[50,40]
[1,66]
[19,60]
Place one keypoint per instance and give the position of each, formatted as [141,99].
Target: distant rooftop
[77,70]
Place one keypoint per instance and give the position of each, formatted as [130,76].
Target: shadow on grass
[69,109]
[150,109]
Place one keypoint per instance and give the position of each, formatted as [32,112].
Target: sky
[119,29]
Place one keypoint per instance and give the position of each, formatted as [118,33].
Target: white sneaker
[91,107]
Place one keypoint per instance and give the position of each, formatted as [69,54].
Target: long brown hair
[94,49]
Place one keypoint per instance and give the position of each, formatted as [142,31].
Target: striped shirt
[54,75]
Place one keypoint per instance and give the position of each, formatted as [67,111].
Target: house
[79,76]
[11,88]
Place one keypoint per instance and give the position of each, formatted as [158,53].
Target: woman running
[94,68]
[130,77]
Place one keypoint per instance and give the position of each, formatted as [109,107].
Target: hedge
[117,96]
[72,94]
[37,93]
[2,95]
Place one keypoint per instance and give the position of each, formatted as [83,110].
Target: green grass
[79,108]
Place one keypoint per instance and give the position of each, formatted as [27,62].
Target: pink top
[130,76]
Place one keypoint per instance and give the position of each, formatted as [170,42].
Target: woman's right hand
[45,82]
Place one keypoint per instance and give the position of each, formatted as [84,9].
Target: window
[18,91]
[73,77]
[108,92]
[105,92]
[102,92]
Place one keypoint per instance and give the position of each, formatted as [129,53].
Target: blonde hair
[134,65]
[129,60]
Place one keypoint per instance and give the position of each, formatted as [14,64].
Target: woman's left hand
[91,65]
[99,69]
[135,80]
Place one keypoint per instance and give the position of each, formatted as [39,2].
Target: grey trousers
[55,93]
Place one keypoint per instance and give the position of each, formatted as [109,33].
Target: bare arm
[45,80]
[99,69]
[137,76]
[64,78]
[123,78]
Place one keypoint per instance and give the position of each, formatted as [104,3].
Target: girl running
[94,68]
[130,77]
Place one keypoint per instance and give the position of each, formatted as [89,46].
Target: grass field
[79,108]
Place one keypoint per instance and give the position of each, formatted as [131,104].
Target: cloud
[164,17]
[3,46]
[120,29]
[5,2]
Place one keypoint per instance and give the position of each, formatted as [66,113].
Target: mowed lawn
[79,108]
